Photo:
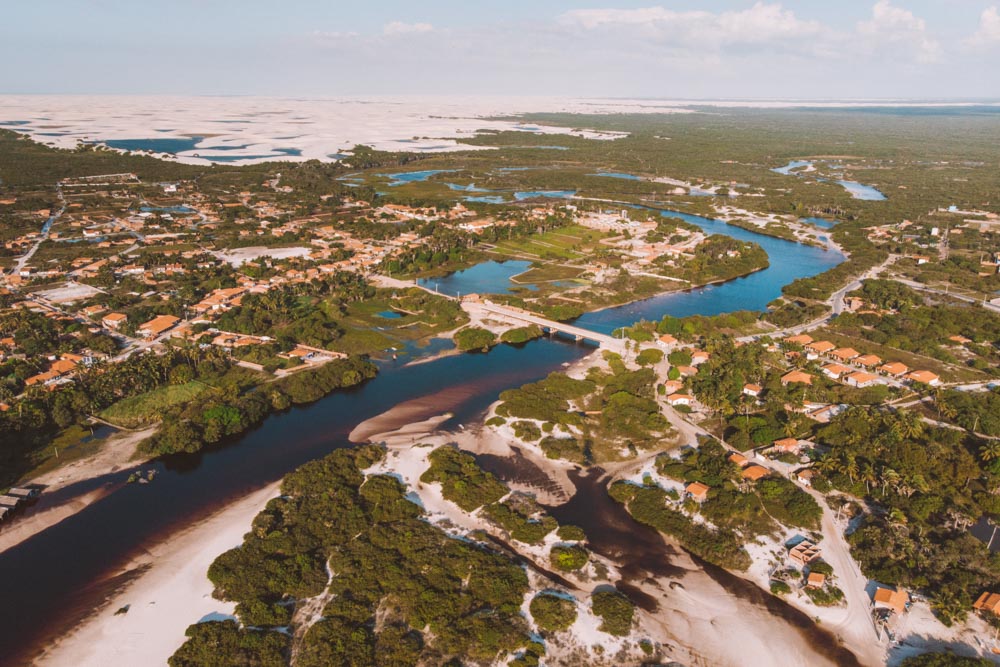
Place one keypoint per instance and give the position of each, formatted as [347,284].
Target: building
[892,600]
[868,360]
[845,353]
[157,326]
[834,371]
[801,339]
[697,491]
[821,347]
[114,320]
[752,390]
[815,580]
[738,459]
[755,472]
[699,357]
[787,445]
[679,399]
[666,340]
[805,476]
[861,380]
[804,553]
[893,369]
[796,377]
[924,377]
[988,602]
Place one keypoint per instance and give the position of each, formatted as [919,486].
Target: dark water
[51,580]
[54,579]
[642,552]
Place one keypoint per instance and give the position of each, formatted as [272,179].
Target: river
[51,581]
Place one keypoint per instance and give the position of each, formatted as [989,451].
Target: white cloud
[989,28]
[892,27]
[400,28]
[760,24]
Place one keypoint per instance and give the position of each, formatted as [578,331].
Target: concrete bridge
[550,326]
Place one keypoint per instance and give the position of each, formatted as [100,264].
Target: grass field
[566,243]
[143,409]
[547,273]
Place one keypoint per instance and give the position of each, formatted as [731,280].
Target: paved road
[961,297]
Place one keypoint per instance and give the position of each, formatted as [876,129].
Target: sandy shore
[170,595]
[117,452]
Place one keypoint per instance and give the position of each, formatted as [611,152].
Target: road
[44,234]
[836,303]
[961,297]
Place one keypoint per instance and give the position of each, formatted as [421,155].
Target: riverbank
[171,592]
[119,451]
[697,616]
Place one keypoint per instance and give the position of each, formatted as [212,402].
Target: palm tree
[867,474]
[990,451]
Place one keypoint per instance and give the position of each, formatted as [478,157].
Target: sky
[668,49]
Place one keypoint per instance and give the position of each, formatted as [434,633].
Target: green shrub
[552,613]
[462,481]
[474,338]
[616,612]
[568,558]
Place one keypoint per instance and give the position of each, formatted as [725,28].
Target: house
[157,326]
[893,369]
[805,476]
[801,339]
[738,459]
[699,357]
[679,399]
[666,340]
[845,353]
[886,598]
[788,445]
[697,491]
[815,580]
[861,379]
[752,390]
[755,472]
[821,347]
[834,371]
[804,553]
[114,320]
[796,377]
[988,602]
[63,366]
[672,386]
[924,377]
[868,360]
[687,371]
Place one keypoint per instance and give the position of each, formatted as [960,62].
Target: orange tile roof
[755,472]
[988,602]
[797,376]
[890,599]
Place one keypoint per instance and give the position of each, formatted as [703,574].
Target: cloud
[761,24]
[989,29]
[893,27]
[400,28]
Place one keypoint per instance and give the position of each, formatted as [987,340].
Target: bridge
[550,326]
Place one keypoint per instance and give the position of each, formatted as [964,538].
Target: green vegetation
[933,483]
[522,518]
[437,598]
[243,402]
[521,334]
[619,413]
[462,481]
[552,613]
[146,408]
[945,660]
[616,612]
[568,558]
[649,505]
[472,339]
